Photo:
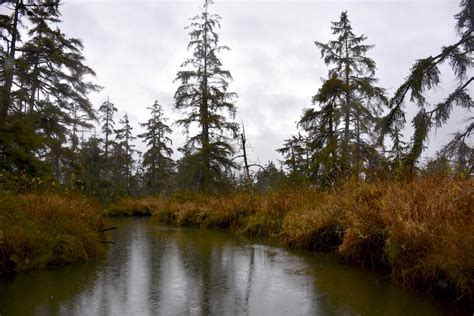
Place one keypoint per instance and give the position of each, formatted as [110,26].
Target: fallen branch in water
[107,242]
[107,229]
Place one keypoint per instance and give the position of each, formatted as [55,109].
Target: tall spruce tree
[341,131]
[204,98]
[324,137]
[122,157]
[269,178]
[107,110]
[92,157]
[43,82]
[424,76]
[156,160]
[296,154]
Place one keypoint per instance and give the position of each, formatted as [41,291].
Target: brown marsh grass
[44,229]
[421,232]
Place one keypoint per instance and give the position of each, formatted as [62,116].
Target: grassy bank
[132,207]
[38,230]
[422,232]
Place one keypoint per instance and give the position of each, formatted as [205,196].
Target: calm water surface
[158,270]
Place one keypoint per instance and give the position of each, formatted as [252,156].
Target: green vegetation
[425,75]
[204,98]
[156,160]
[339,132]
[39,230]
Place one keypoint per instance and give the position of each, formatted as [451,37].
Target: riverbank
[421,232]
[132,207]
[157,269]
[39,230]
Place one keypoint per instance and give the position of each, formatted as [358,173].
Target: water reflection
[168,271]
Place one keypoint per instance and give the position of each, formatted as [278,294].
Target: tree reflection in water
[154,270]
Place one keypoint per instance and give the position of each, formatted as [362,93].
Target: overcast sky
[136,48]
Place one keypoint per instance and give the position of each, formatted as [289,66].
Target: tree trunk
[471,13]
[9,68]
[244,149]
[347,113]
[205,118]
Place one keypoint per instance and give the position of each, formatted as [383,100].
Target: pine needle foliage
[424,76]
[122,156]
[156,160]
[43,80]
[340,128]
[107,110]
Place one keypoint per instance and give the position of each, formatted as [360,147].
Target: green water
[159,270]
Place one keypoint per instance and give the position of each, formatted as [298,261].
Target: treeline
[342,136]
[45,114]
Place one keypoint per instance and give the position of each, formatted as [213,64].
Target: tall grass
[43,229]
[132,207]
[421,232]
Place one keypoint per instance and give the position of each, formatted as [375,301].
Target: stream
[163,270]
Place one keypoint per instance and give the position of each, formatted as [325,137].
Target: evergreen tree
[269,178]
[425,75]
[43,83]
[461,156]
[203,96]
[397,153]
[123,162]
[188,171]
[11,40]
[91,178]
[107,109]
[296,153]
[341,131]
[72,164]
[156,160]
[324,136]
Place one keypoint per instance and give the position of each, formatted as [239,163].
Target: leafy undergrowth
[422,232]
[38,230]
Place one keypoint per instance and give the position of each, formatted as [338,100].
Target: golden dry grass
[132,207]
[422,232]
[44,229]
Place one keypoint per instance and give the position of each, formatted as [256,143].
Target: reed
[421,232]
[38,230]
[132,207]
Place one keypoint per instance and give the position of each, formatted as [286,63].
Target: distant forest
[352,130]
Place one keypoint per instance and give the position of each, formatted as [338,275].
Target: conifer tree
[296,154]
[269,177]
[92,157]
[123,161]
[107,109]
[156,160]
[204,98]
[424,76]
[341,131]
[43,81]
[324,137]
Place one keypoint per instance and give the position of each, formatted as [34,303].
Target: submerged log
[106,229]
